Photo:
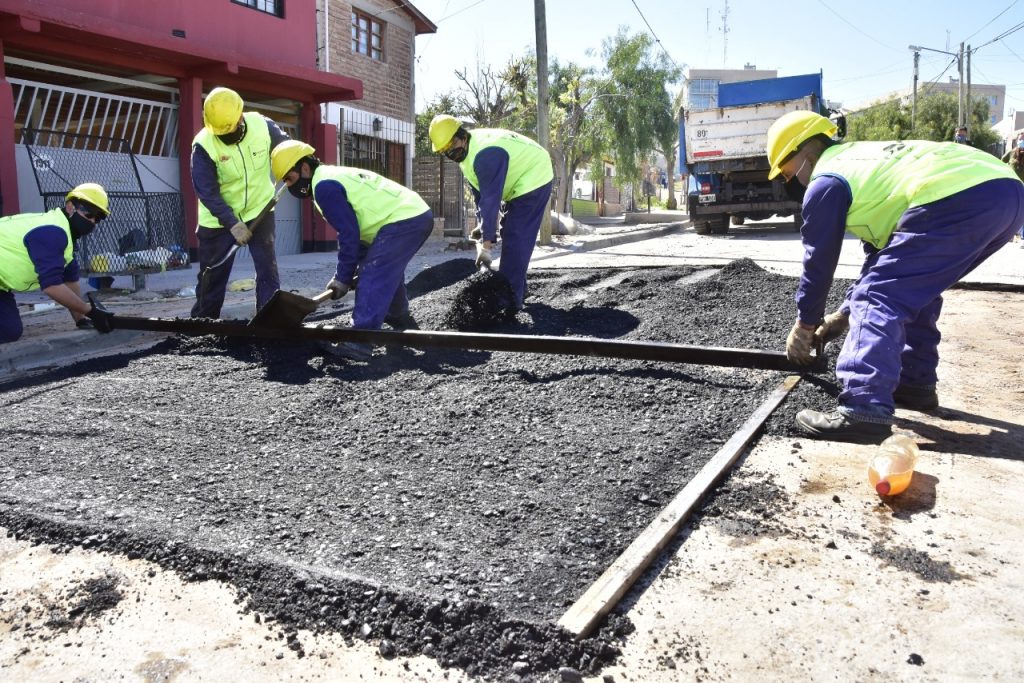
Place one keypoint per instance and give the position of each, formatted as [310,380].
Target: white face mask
[797,174]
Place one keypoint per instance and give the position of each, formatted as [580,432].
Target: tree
[574,137]
[936,120]
[442,104]
[635,104]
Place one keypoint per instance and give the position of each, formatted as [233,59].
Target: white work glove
[832,327]
[483,254]
[241,232]
[338,289]
[799,344]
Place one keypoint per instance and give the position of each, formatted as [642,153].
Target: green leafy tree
[636,106]
[575,135]
[442,104]
[935,120]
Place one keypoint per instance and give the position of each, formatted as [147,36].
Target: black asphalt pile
[452,503]
[483,301]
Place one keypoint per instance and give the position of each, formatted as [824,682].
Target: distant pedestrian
[928,213]
[231,177]
[380,224]
[37,252]
[960,136]
[502,168]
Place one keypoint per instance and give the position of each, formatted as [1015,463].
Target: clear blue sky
[861,47]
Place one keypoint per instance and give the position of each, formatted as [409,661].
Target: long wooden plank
[609,588]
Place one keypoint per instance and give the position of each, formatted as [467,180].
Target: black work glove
[102,319]
[85,324]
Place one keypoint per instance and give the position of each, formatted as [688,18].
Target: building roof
[423,25]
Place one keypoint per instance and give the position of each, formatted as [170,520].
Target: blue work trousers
[380,291]
[214,243]
[10,319]
[895,304]
[519,230]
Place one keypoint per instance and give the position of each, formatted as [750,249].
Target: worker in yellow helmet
[502,168]
[928,213]
[381,225]
[37,252]
[231,177]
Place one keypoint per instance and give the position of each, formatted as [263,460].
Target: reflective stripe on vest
[243,170]
[376,200]
[529,164]
[17,272]
[887,178]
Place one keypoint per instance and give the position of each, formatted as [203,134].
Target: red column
[316,234]
[8,163]
[190,120]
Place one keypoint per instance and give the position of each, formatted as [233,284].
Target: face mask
[457,154]
[301,188]
[960,138]
[795,190]
[235,136]
[80,226]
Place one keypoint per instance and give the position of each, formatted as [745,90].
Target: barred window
[273,7]
[367,36]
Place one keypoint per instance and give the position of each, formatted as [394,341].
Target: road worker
[37,252]
[380,224]
[502,167]
[231,177]
[928,213]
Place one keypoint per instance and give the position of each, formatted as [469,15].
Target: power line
[992,19]
[655,36]
[855,28]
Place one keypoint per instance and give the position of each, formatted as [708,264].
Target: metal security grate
[145,230]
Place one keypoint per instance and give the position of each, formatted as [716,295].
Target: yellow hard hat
[92,193]
[284,157]
[221,110]
[442,130]
[792,130]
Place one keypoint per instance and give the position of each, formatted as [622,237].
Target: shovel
[287,309]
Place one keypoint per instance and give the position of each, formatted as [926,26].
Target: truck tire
[702,227]
[721,226]
[738,220]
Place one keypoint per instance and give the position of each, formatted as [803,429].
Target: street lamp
[916,49]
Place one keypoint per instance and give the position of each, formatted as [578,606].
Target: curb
[659,230]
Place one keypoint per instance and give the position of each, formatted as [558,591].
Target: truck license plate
[706,199]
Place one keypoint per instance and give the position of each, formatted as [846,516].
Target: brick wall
[387,83]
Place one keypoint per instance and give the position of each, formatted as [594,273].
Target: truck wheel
[738,220]
[720,225]
[702,227]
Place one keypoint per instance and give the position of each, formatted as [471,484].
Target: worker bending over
[501,167]
[928,213]
[231,177]
[37,252]
[380,224]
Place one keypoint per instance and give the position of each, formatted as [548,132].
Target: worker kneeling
[928,213]
[380,224]
[37,252]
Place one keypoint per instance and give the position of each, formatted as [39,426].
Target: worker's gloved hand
[476,234]
[85,324]
[102,319]
[483,255]
[832,327]
[241,232]
[338,289]
[799,344]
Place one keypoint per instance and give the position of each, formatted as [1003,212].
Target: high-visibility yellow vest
[887,178]
[376,200]
[17,272]
[529,164]
[243,170]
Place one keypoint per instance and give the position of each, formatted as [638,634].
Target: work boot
[349,350]
[835,426]
[401,322]
[920,399]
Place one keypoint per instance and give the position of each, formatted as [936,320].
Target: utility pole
[960,87]
[968,108]
[543,135]
[913,106]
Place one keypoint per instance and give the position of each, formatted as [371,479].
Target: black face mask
[795,189]
[457,154]
[301,188]
[80,226]
[235,136]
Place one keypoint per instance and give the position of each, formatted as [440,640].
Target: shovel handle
[323,296]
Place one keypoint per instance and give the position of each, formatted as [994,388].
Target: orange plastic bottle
[892,468]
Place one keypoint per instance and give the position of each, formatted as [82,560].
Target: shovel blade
[284,310]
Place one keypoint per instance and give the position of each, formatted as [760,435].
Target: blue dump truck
[723,151]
